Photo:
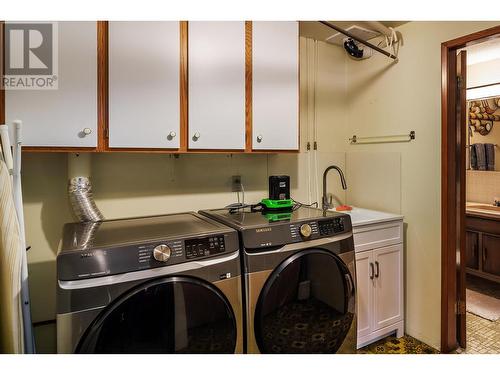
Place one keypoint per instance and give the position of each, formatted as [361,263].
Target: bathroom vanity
[378,242]
[483,241]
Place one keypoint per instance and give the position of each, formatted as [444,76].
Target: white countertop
[363,216]
[488,211]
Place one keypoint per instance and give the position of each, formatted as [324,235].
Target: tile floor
[483,336]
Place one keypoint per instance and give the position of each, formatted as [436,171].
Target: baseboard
[381,333]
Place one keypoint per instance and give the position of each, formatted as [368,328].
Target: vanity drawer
[373,236]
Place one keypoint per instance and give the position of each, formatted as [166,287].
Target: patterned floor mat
[393,345]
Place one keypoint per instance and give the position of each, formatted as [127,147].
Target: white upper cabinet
[216,53]
[67,116]
[144,76]
[275,87]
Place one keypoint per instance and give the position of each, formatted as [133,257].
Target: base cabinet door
[388,307]
[491,254]
[365,285]
[472,249]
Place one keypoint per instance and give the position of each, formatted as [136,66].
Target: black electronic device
[279,187]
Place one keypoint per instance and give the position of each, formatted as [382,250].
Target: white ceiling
[482,52]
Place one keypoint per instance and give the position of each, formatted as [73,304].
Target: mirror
[483,133]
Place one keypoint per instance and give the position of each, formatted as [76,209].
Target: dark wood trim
[448,202]
[452,185]
[460,151]
[248,87]
[471,39]
[2,73]
[184,113]
[102,85]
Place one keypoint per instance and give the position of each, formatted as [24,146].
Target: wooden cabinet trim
[183,25]
[102,86]
[248,86]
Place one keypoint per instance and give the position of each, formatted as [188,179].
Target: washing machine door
[307,305]
[166,315]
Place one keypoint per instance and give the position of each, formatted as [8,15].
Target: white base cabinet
[379,275]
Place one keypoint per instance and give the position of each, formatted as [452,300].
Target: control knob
[162,253]
[305,230]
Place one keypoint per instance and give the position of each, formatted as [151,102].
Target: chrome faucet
[328,204]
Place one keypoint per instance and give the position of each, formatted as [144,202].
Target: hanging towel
[490,156]
[480,156]
[11,327]
[473,157]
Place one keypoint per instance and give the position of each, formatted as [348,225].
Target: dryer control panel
[317,229]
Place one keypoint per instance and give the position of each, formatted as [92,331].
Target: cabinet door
[491,254]
[365,282]
[472,249]
[275,87]
[58,118]
[144,73]
[388,285]
[216,85]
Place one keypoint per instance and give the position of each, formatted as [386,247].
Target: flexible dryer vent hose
[80,189]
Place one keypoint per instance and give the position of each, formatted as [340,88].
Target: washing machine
[162,284]
[299,279]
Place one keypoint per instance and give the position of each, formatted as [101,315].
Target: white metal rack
[12,157]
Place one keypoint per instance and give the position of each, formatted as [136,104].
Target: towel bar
[383,139]
[469,146]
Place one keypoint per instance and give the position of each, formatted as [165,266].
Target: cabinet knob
[171,135]
[196,136]
[86,131]
[259,138]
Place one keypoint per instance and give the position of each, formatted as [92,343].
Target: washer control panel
[129,258]
[202,247]
[333,226]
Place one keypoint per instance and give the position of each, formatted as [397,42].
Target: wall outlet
[236,183]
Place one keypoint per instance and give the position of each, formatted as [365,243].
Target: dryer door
[307,305]
[166,315]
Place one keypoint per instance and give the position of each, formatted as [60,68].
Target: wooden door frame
[452,185]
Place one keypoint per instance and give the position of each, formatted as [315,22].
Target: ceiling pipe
[357,39]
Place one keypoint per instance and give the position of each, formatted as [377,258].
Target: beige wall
[387,98]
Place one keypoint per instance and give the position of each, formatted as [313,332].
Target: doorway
[464,238]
